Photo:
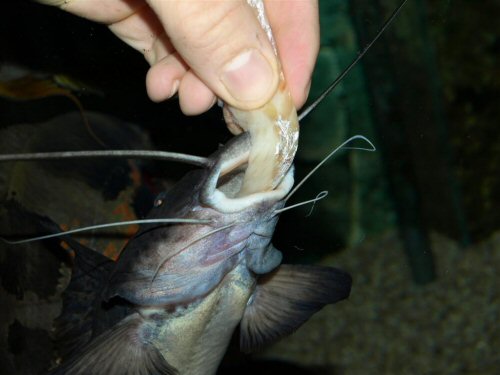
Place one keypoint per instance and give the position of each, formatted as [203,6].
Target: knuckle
[204,24]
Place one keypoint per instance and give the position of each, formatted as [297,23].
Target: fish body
[171,302]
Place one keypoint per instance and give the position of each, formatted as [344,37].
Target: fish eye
[159,200]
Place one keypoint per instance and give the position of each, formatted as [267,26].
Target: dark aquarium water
[416,223]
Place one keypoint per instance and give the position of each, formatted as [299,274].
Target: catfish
[170,303]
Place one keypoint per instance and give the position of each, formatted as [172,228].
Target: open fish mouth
[224,186]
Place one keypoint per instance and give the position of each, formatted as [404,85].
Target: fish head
[179,263]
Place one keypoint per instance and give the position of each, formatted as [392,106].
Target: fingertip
[194,96]
[300,94]
[306,92]
[163,78]
[296,30]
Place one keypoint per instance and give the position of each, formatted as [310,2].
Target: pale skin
[198,49]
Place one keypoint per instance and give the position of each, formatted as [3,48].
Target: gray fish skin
[177,264]
[171,302]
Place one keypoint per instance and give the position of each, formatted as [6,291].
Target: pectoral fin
[288,297]
[122,350]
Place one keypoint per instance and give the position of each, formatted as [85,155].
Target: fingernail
[307,90]
[175,87]
[248,77]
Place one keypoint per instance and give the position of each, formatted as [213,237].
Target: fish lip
[232,156]
[218,200]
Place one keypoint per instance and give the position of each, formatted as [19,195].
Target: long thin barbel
[353,138]
[320,196]
[108,225]
[190,159]
[205,235]
[335,83]
[131,154]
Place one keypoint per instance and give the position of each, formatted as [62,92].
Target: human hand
[208,49]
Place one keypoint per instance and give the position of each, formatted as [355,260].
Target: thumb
[225,46]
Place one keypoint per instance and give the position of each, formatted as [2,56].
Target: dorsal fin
[74,327]
[286,298]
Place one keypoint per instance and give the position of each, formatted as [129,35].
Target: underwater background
[416,224]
